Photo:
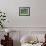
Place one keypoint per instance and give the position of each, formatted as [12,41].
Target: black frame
[24,8]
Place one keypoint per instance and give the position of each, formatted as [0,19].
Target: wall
[35,22]
[37,16]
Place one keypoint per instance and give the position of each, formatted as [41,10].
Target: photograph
[24,11]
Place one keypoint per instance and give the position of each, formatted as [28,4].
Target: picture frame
[24,11]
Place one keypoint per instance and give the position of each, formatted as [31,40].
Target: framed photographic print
[24,11]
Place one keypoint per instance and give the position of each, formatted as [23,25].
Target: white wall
[37,16]
[25,24]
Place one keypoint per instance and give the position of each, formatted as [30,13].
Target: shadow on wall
[16,43]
